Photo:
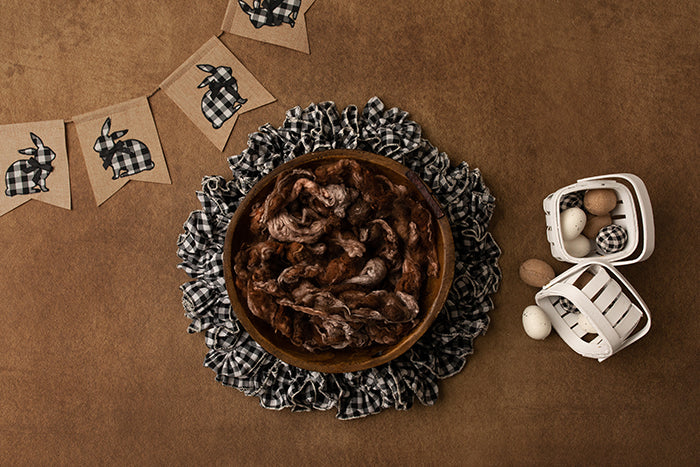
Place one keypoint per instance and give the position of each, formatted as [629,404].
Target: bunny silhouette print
[27,176]
[271,12]
[126,157]
[222,100]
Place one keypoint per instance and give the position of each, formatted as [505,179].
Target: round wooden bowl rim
[446,259]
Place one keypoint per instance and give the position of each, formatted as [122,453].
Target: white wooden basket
[633,212]
[609,303]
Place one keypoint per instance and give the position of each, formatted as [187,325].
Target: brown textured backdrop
[95,363]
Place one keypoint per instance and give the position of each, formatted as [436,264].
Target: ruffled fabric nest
[442,351]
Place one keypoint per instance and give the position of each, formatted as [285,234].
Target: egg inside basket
[303,293]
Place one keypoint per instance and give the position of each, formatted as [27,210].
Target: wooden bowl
[434,291]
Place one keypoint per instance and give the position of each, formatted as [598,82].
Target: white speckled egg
[578,247]
[585,325]
[536,322]
[573,220]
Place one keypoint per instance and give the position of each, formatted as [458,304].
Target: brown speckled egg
[594,224]
[536,272]
[600,201]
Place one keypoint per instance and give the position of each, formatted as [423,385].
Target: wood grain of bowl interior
[433,295]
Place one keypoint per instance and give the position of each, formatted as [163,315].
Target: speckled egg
[536,272]
[536,323]
[600,201]
[578,247]
[594,224]
[573,220]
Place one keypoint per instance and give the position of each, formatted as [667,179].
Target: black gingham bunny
[271,12]
[126,157]
[27,176]
[222,100]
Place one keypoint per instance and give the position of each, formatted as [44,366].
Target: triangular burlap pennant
[279,22]
[111,158]
[34,162]
[213,88]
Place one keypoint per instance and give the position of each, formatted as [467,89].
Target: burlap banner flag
[111,157]
[279,22]
[34,161]
[213,88]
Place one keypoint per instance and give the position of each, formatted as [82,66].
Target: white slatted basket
[633,212]
[609,303]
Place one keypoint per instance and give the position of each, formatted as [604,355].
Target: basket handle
[642,306]
[581,301]
[603,350]
[645,209]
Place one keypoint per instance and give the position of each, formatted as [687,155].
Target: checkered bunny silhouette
[27,176]
[126,157]
[222,100]
[271,12]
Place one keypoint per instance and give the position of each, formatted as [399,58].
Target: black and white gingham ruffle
[442,352]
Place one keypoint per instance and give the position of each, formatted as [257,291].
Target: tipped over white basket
[633,212]
[609,303]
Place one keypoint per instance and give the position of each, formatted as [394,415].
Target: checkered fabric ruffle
[442,351]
